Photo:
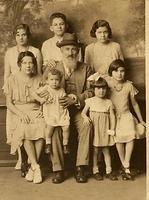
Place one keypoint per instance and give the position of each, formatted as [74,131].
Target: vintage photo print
[73,93]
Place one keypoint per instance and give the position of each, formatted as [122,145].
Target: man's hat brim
[69,42]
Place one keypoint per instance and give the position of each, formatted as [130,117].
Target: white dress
[19,92]
[126,122]
[99,114]
[54,113]
[10,62]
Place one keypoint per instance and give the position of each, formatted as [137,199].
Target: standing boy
[50,52]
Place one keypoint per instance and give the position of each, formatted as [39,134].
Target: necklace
[118,87]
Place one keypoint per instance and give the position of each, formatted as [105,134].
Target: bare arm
[112,119]
[137,109]
[23,116]
[85,110]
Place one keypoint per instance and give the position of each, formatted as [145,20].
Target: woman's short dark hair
[30,54]
[115,65]
[100,23]
[57,15]
[24,27]
[54,71]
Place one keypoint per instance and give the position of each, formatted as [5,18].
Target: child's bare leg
[38,147]
[107,159]
[96,173]
[121,152]
[95,160]
[128,152]
[49,133]
[19,161]
[65,132]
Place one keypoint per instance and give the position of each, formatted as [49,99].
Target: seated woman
[28,122]
[22,38]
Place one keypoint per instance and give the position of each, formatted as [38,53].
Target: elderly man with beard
[74,81]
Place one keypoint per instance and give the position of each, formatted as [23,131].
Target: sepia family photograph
[73,93]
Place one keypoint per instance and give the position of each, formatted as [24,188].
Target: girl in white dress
[54,114]
[103,51]
[101,114]
[122,91]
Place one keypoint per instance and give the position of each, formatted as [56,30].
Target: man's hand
[44,94]
[67,101]
[48,64]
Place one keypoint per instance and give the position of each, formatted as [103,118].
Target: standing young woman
[22,36]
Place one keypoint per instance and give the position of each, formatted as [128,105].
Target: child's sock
[108,169]
[48,140]
[95,170]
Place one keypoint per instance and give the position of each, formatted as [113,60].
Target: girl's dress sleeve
[88,102]
[133,90]
[111,106]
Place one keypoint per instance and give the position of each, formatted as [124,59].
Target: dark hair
[100,83]
[100,23]
[30,54]
[57,15]
[24,27]
[54,71]
[115,65]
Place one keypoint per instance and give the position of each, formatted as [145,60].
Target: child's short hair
[115,65]
[54,71]
[57,15]
[30,54]
[100,23]
[100,83]
[24,27]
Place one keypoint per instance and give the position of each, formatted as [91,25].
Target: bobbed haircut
[24,27]
[115,65]
[30,54]
[100,23]
[57,15]
[100,83]
[54,71]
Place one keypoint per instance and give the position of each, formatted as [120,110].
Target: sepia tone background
[126,18]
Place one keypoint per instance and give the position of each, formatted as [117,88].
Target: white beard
[71,64]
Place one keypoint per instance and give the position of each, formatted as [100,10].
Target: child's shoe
[111,176]
[30,175]
[48,148]
[127,175]
[98,177]
[66,149]
[37,175]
